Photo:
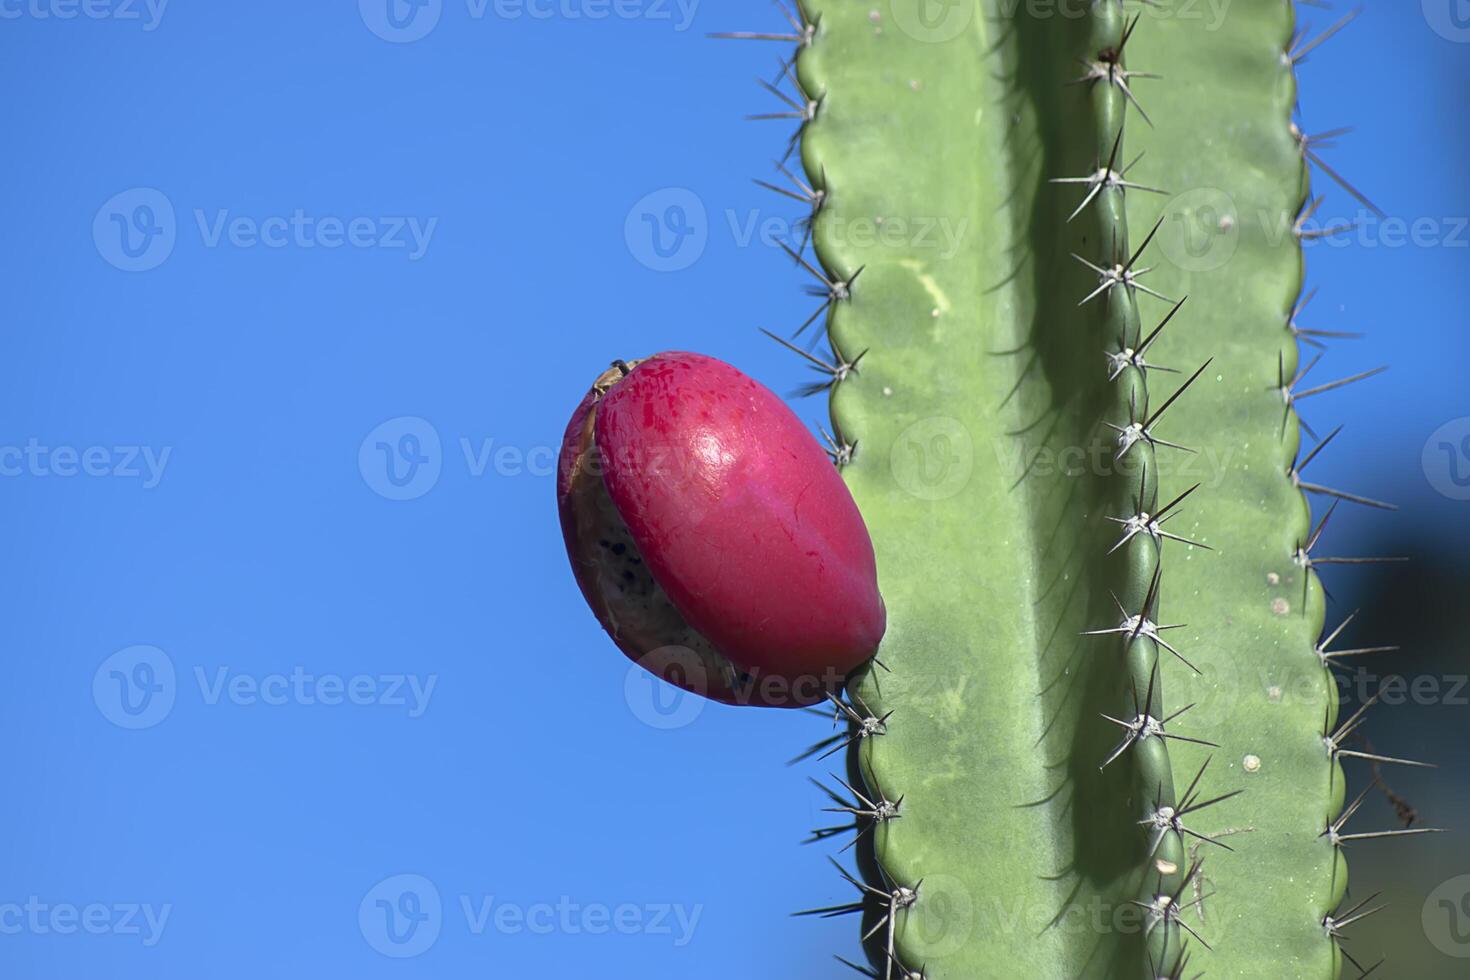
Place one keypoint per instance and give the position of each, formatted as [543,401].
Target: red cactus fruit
[712,535]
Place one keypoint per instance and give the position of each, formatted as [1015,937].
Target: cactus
[1065,241]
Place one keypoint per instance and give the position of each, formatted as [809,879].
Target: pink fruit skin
[742,518]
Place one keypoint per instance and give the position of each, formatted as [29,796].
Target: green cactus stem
[1055,231]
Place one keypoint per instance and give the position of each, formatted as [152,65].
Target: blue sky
[254,252]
